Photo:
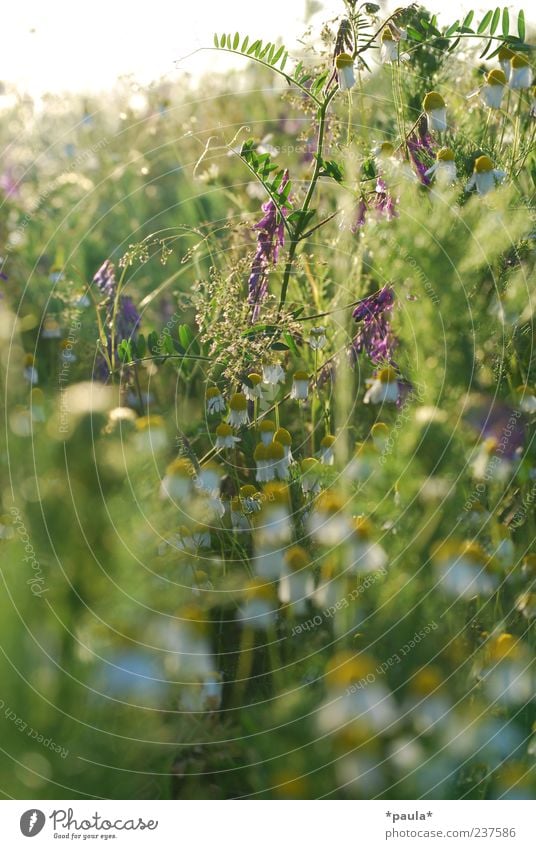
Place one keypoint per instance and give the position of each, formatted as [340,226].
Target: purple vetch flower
[421,150]
[495,420]
[9,184]
[380,201]
[375,336]
[270,239]
[127,317]
[104,279]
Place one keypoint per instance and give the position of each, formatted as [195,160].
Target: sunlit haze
[62,45]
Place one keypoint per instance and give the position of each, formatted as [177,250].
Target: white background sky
[51,45]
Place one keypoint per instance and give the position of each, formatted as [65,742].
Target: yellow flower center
[344,60]
[283,436]
[446,154]
[238,402]
[433,100]
[496,77]
[483,164]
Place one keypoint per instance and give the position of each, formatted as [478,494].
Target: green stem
[308,197]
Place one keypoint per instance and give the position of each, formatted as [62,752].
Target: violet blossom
[421,150]
[375,336]
[127,317]
[270,239]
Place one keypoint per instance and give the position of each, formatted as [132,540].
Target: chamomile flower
[463,570]
[357,696]
[389,47]
[150,433]
[364,555]
[239,519]
[253,388]
[364,463]
[328,522]
[505,60]
[326,454]
[295,578]
[428,702]
[383,388]
[225,437]
[187,643]
[30,371]
[508,674]
[283,436]
[261,462]
[215,400]
[491,93]
[345,71]
[490,463]
[317,339]
[444,168]
[50,329]
[273,524]
[202,695]
[177,482]
[273,374]
[436,112]
[276,464]
[67,353]
[300,386]
[238,410]
[310,475]
[268,562]
[250,498]
[266,430]
[379,433]
[485,176]
[258,610]
[526,399]
[208,479]
[521,73]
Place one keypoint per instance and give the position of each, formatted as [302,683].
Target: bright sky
[53,45]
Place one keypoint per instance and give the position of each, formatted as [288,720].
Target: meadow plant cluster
[269,376]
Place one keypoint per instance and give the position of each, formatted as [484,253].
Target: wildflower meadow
[268,461]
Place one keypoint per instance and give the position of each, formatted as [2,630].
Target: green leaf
[482,27]
[168,345]
[141,345]
[279,346]
[277,56]
[152,342]
[415,34]
[216,40]
[495,21]
[245,44]
[486,48]
[319,82]
[236,41]
[505,22]
[254,47]
[265,329]
[177,347]
[185,335]
[223,39]
[289,338]
[468,19]
[452,29]
[521,30]
[124,351]
[331,168]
